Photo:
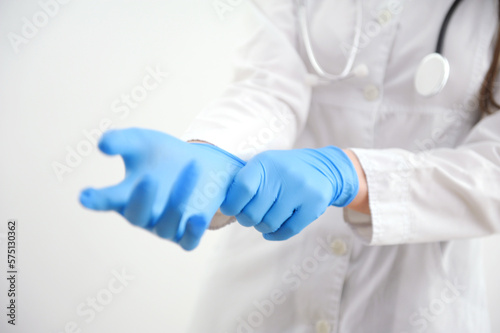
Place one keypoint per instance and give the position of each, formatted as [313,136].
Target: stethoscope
[432,73]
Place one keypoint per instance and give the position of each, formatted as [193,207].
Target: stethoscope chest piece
[432,74]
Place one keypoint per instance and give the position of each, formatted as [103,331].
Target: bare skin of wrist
[198,141]
[360,203]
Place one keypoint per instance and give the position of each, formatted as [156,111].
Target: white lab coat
[432,165]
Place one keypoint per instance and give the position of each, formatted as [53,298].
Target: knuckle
[319,197]
[245,220]
[266,155]
[264,228]
[244,190]
[161,231]
[287,232]
[270,225]
[228,208]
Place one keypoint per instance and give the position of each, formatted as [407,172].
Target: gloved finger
[266,226]
[195,228]
[280,211]
[243,189]
[171,223]
[139,208]
[298,221]
[245,219]
[123,142]
[108,198]
[253,213]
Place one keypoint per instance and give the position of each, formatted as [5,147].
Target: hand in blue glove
[281,192]
[171,187]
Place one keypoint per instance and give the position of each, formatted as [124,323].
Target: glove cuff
[344,173]
[208,146]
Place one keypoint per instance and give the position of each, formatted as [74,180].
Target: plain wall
[63,82]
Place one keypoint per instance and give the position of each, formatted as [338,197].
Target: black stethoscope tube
[444,26]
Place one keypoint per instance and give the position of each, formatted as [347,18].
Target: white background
[62,82]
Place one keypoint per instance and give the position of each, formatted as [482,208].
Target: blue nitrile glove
[171,187]
[280,192]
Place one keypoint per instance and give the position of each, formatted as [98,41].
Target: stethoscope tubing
[326,77]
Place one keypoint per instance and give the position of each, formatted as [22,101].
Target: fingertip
[189,248]
[242,190]
[268,237]
[228,209]
[264,228]
[244,220]
[98,200]
[120,141]
[87,198]
[196,226]
[276,236]
[195,229]
[235,200]
[106,142]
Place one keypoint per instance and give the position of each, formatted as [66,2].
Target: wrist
[343,175]
[207,146]
[200,141]
[361,202]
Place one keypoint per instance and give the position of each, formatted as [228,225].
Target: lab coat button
[384,17]
[339,247]
[371,92]
[322,326]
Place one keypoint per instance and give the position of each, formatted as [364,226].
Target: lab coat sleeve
[435,195]
[266,105]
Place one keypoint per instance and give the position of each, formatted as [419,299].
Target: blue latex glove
[281,192]
[171,187]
